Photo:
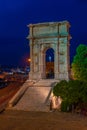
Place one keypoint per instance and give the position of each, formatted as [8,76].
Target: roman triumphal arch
[43,36]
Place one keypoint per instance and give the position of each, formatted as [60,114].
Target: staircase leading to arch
[36,97]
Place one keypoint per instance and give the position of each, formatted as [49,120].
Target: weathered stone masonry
[43,36]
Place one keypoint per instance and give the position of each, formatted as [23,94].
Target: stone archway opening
[49,62]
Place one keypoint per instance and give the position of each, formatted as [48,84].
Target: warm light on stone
[43,36]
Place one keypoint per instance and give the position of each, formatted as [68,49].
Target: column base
[36,76]
[62,76]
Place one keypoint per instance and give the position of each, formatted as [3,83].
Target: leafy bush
[73,92]
[60,89]
[64,106]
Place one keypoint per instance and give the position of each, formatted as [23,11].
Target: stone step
[34,99]
[45,83]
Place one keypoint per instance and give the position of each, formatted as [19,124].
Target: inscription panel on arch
[47,40]
[45,31]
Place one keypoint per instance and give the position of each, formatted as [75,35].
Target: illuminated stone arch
[53,35]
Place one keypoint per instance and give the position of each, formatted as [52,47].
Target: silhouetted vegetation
[73,93]
[79,64]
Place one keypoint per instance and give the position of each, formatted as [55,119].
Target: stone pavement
[36,97]
[27,120]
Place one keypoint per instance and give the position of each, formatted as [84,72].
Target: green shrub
[65,106]
[72,92]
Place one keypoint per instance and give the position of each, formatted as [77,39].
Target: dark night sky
[15,15]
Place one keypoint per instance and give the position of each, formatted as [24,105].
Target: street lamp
[29,60]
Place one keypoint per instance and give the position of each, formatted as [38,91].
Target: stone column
[41,61]
[56,62]
[31,66]
[68,59]
[31,52]
[44,65]
[41,64]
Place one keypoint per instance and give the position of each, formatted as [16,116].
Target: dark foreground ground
[22,120]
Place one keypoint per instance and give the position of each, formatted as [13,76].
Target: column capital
[30,25]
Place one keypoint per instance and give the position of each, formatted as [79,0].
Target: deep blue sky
[15,15]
